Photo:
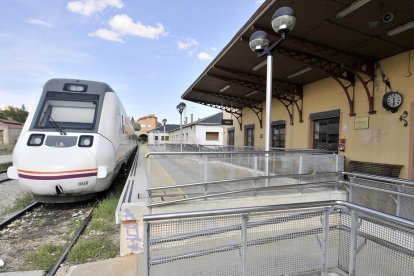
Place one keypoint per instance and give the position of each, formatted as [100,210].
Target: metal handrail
[167,153]
[231,211]
[380,178]
[376,189]
[289,186]
[215,182]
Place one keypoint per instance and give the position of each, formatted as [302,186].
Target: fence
[299,239]
[193,167]
[390,195]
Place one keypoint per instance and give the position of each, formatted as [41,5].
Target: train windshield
[68,111]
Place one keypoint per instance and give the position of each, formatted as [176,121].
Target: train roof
[60,85]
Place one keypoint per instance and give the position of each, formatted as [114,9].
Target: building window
[167,138]
[278,134]
[156,138]
[212,136]
[326,134]
[230,136]
[249,135]
[186,136]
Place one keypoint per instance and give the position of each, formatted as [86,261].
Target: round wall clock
[391,101]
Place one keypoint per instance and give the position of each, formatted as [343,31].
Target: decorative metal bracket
[287,93]
[259,114]
[402,118]
[236,112]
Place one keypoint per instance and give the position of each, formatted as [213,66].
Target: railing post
[398,211]
[325,241]
[149,172]
[205,174]
[354,243]
[245,219]
[300,171]
[352,180]
[146,250]
[255,170]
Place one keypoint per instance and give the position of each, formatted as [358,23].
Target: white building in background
[156,136]
[207,132]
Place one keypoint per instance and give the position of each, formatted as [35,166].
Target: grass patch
[4,166]
[6,149]
[18,204]
[44,257]
[98,242]
[89,250]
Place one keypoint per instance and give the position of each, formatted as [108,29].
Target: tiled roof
[11,123]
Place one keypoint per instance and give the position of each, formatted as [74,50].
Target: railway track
[3,177]
[38,225]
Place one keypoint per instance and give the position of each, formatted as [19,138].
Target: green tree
[14,113]
[136,125]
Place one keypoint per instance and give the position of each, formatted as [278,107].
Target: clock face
[394,100]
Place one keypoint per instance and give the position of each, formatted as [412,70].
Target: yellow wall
[385,141]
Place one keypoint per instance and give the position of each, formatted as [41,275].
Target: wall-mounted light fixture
[351,8]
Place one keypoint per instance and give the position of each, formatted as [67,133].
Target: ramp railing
[295,239]
[194,167]
[390,195]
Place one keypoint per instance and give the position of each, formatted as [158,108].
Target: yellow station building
[334,77]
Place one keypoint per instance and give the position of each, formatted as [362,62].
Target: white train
[73,143]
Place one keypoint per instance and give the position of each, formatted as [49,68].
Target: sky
[149,52]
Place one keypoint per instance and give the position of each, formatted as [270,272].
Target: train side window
[122,124]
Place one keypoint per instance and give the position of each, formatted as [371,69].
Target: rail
[390,195]
[316,237]
[256,152]
[209,166]
[324,179]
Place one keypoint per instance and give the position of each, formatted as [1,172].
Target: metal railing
[391,195]
[302,238]
[247,186]
[208,166]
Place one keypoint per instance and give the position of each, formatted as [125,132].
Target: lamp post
[164,122]
[180,107]
[283,21]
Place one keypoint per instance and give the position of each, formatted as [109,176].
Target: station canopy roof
[320,45]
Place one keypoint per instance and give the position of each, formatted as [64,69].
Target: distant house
[9,131]
[207,132]
[147,123]
[157,136]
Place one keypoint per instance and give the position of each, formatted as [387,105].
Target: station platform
[134,200]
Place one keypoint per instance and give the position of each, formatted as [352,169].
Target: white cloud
[40,22]
[107,35]
[122,25]
[187,44]
[203,56]
[90,7]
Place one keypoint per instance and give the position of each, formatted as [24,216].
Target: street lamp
[180,107]
[283,21]
[164,122]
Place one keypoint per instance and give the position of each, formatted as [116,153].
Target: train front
[61,157]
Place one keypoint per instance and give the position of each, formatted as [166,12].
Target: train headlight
[36,140]
[85,141]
